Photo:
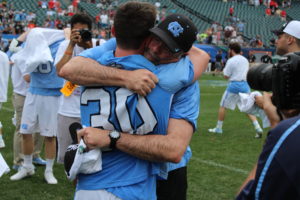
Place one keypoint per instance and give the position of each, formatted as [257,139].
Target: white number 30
[117,102]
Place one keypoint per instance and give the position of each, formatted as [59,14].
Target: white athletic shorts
[40,115]
[94,195]
[229,100]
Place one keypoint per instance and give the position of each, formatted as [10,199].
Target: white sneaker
[49,177]
[22,173]
[215,130]
[2,144]
[258,135]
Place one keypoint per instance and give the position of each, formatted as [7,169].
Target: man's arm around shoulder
[85,71]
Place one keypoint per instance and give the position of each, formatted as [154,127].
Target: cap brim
[166,39]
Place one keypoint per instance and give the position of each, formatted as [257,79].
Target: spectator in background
[44,4]
[75,5]
[39,4]
[218,63]
[273,6]
[240,27]
[104,20]
[259,42]
[18,28]
[201,37]
[268,11]
[31,16]
[231,11]
[228,33]
[283,15]
[31,25]
[272,43]
[214,27]
[51,4]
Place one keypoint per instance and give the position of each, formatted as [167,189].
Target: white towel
[36,50]
[85,162]
[247,105]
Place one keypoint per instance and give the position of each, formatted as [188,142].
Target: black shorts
[175,187]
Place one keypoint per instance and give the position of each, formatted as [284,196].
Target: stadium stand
[203,13]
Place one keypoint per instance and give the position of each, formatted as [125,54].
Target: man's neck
[294,48]
[126,52]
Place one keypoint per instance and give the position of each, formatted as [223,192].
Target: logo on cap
[175,28]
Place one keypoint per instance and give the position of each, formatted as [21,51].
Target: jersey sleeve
[182,75]
[96,52]
[186,104]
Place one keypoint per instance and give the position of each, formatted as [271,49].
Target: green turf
[219,165]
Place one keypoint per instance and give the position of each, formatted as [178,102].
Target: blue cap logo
[175,28]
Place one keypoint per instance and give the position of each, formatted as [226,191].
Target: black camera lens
[86,35]
[260,77]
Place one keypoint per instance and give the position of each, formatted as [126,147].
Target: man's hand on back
[141,81]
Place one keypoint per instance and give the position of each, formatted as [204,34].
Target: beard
[281,52]
[151,56]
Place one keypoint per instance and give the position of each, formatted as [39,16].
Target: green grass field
[219,165]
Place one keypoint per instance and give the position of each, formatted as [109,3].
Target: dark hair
[132,23]
[81,18]
[236,47]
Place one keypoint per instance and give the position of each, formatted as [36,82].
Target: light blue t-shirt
[183,98]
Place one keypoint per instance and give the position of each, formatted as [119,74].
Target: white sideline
[214,164]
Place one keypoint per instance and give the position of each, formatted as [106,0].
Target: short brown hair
[236,47]
[132,23]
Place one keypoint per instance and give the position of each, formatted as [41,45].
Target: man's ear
[291,39]
[113,31]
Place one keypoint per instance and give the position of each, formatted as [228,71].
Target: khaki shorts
[63,135]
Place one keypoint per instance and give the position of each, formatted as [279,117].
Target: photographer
[288,38]
[69,111]
[276,175]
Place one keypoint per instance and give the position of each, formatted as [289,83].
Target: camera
[86,34]
[283,79]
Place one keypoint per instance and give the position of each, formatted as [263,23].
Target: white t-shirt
[236,68]
[70,106]
[4,73]
[104,19]
[17,77]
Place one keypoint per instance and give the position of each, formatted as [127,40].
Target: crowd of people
[131,109]
[234,29]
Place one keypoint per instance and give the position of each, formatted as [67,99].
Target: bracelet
[69,53]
